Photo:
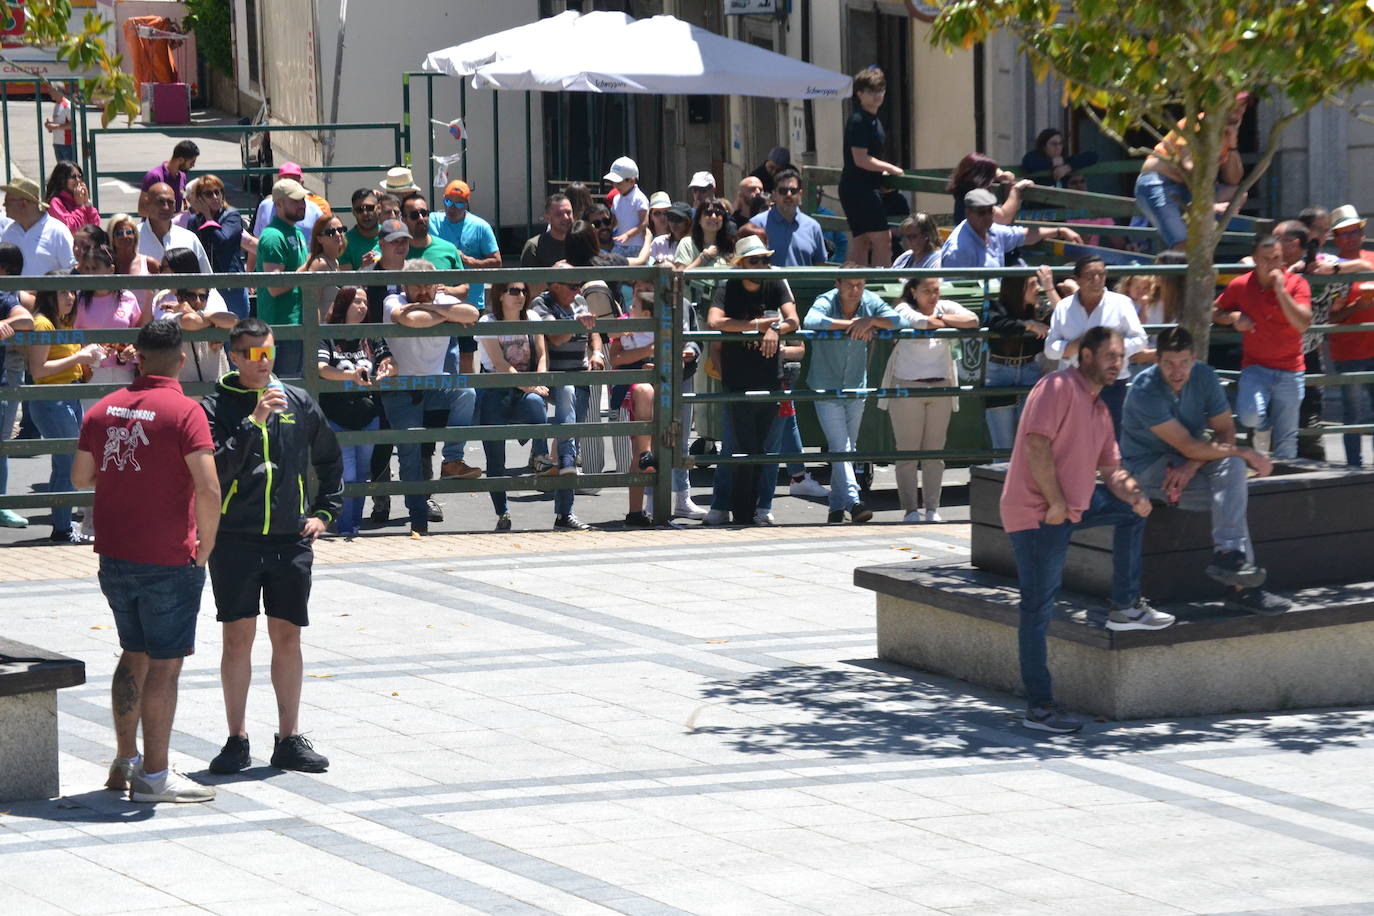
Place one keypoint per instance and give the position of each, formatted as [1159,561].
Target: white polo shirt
[176,237]
[1071,321]
[47,245]
[415,355]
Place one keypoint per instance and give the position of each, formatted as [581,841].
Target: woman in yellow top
[1161,190]
[59,364]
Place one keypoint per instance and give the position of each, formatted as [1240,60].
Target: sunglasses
[516,291]
[455,203]
[720,213]
[601,223]
[187,294]
[254,354]
[788,191]
[125,233]
[337,230]
[417,214]
[365,208]
[754,261]
[575,287]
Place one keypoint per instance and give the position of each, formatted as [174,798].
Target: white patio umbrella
[661,55]
[464,59]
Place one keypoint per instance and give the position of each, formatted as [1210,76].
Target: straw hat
[1341,217]
[27,188]
[751,246]
[399,180]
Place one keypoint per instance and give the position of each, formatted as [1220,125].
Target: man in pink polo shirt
[1064,444]
[1271,308]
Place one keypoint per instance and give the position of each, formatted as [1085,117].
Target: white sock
[157,775]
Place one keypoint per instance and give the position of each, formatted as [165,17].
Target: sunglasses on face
[254,354]
[719,213]
[754,262]
[200,297]
[365,208]
[788,191]
[126,233]
[417,214]
[337,230]
[575,287]
[516,291]
[601,223]
[455,203]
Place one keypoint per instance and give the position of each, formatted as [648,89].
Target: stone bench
[29,680]
[961,621]
[1310,522]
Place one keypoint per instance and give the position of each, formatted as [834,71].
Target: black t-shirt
[762,174]
[376,295]
[743,366]
[866,131]
[542,251]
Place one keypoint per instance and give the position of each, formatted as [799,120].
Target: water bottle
[276,385]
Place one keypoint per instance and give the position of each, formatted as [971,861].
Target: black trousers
[751,423]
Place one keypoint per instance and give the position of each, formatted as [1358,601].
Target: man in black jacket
[267,435]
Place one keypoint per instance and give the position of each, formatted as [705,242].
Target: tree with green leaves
[84,50]
[1179,65]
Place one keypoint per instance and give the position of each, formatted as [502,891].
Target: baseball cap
[622,169]
[458,189]
[980,197]
[290,170]
[288,187]
[680,210]
[393,229]
[703,180]
[780,156]
[660,200]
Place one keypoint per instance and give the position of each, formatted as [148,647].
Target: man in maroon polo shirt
[147,452]
[1271,308]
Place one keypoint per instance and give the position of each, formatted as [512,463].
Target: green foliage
[84,50]
[211,22]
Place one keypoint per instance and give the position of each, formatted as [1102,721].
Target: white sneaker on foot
[683,507]
[808,486]
[121,770]
[171,786]
[914,517]
[716,517]
[763,517]
[933,516]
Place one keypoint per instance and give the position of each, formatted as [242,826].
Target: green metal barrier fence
[666,375]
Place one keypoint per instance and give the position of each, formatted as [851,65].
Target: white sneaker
[716,517]
[914,517]
[683,507]
[122,770]
[170,787]
[763,517]
[808,486]
[933,516]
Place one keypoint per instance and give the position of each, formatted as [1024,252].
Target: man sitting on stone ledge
[1163,445]
[1065,441]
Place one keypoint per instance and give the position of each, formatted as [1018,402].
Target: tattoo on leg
[124,692]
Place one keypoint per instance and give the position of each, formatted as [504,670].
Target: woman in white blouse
[925,362]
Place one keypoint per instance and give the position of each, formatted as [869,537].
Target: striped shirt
[571,355]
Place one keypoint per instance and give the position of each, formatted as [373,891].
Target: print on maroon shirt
[144,494]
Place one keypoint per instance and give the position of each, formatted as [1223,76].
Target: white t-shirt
[662,249]
[62,114]
[923,357]
[47,245]
[176,237]
[415,355]
[204,363]
[515,347]
[627,209]
[1071,321]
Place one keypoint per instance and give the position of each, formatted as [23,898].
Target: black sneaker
[1257,601]
[294,752]
[638,520]
[835,517]
[1050,719]
[435,511]
[233,758]
[859,513]
[1230,567]
[648,461]
[503,522]
[570,522]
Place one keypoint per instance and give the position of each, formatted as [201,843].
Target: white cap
[622,169]
[702,180]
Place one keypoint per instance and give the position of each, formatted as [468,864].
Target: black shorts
[467,344]
[273,568]
[863,209]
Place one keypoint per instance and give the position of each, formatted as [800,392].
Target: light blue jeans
[1269,399]
[357,464]
[497,406]
[58,420]
[1357,406]
[1163,201]
[840,421]
[8,411]
[1002,420]
[403,411]
[569,406]
[1219,487]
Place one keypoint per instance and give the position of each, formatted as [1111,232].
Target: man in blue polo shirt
[796,239]
[980,242]
[1168,407]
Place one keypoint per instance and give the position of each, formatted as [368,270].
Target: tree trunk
[1203,233]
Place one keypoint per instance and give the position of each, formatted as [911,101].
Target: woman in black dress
[861,192]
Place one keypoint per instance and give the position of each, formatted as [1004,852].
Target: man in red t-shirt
[1271,308]
[1353,352]
[148,453]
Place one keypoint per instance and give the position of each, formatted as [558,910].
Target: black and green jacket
[262,469]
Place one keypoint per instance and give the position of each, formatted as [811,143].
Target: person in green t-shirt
[281,249]
[361,249]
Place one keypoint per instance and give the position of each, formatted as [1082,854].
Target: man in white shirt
[45,241]
[1093,305]
[157,232]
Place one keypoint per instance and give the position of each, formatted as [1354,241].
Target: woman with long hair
[921,237]
[122,230]
[711,242]
[977,170]
[525,404]
[580,196]
[327,245]
[85,238]
[667,227]
[360,360]
[861,179]
[921,424]
[1046,160]
[1019,319]
[220,230]
[69,200]
[59,364]
[109,308]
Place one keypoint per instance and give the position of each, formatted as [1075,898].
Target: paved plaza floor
[664,722]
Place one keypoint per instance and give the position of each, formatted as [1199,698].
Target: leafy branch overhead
[84,50]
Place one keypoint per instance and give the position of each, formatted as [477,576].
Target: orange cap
[458,189]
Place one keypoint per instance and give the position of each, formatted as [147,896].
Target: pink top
[111,310]
[1062,408]
[64,209]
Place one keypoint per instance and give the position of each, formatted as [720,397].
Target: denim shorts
[155,607]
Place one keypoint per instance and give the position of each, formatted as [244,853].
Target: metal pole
[80,137]
[429,128]
[405,116]
[38,120]
[5,116]
[94,173]
[529,168]
[668,403]
[463,113]
[495,156]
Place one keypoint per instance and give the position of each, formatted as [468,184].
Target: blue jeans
[290,361]
[406,410]
[569,406]
[155,607]
[58,420]
[1114,396]
[64,152]
[1220,487]
[722,480]
[1269,399]
[1163,201]
[357,465]
[840,421]
[506,405]
[8,411]
[682,481]
[1040,554]
[1357,406]
[1002,420]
